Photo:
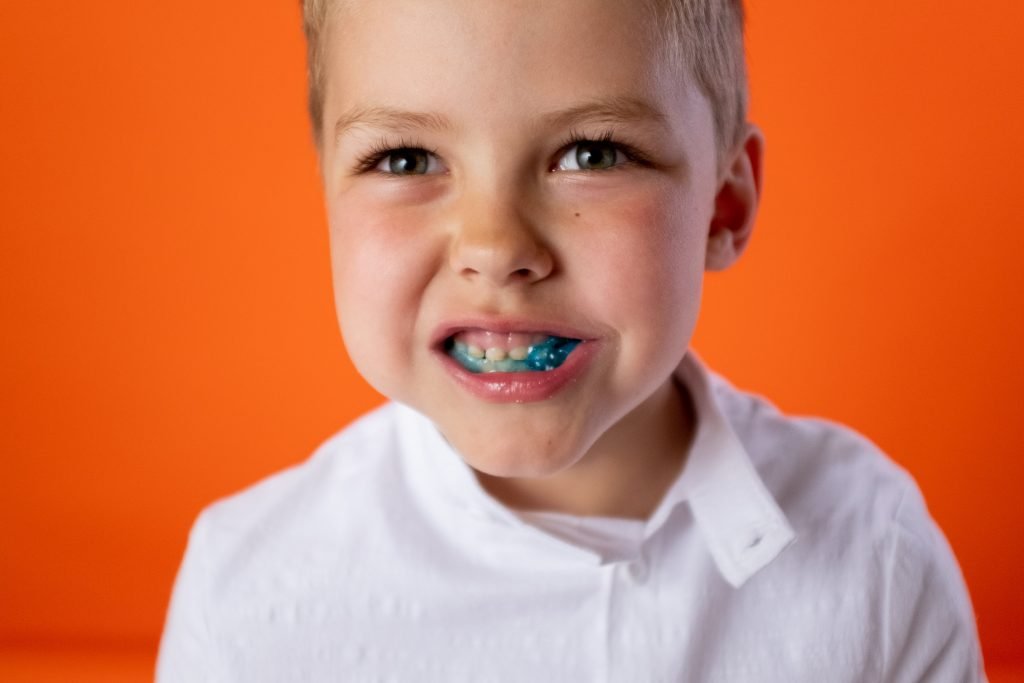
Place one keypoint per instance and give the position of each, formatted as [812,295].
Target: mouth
[483,351]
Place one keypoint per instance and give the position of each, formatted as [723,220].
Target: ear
[739,193]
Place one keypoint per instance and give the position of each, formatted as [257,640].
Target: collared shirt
[787,550]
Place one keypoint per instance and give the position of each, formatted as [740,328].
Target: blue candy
[550,353]
[547,355]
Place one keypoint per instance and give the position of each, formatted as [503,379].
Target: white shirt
[788,550]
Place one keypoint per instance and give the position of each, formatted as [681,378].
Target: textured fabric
[787,550]
[610,537]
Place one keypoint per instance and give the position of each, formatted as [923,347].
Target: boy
[523,197]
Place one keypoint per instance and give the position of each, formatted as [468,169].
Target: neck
[624,474]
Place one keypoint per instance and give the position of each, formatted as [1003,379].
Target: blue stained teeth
[550,353]
[545,355]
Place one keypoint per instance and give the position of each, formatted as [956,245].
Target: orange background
[168,333]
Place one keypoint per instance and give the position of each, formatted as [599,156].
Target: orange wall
[168,332]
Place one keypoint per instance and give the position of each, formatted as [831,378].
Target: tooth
[475,351]
[518,353]
[495,354]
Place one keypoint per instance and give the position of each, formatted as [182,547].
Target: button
[753,539]
[637,570]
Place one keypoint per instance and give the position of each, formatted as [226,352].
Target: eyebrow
[603,110]
[390,118]
[608,110]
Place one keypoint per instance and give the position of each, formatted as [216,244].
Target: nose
[494,241]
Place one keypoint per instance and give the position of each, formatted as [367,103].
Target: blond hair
[705,36]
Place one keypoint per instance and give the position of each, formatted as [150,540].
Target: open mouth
[482,351]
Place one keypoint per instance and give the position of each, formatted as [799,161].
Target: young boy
[523,197]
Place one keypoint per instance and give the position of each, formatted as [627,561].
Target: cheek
[647,251]
[381,261]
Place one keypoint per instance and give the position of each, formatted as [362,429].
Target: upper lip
[507,324]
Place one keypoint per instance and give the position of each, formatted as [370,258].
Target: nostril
[505,259]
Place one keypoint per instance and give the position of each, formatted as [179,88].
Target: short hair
[704,36]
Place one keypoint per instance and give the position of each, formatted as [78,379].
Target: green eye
[595,155]
[406,162]
[592,155]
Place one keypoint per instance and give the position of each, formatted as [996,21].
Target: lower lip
[522,387]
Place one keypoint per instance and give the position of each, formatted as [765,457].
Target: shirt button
[637,571]
[753,539]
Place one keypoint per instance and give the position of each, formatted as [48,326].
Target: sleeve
[186,644]
[929,631]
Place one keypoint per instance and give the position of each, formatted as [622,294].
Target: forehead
[491,57]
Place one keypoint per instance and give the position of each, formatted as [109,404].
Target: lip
[505,326]
[521,387]
[517,387]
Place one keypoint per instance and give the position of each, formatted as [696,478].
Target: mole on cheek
[577,214]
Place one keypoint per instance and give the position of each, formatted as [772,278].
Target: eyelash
[369,161]
[381,150]
[633,155]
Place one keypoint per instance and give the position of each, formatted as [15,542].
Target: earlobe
[736,202]
[721,252]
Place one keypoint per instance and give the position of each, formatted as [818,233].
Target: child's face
[495,226]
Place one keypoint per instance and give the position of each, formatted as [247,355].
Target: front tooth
[475,351]
[495,354]
[518,353]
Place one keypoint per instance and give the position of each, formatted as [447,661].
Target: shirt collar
[741,524]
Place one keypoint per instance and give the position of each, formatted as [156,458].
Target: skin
[501,225]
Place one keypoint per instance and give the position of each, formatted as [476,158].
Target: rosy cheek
[642,235]
[382,257]
[373,230]
[649,247]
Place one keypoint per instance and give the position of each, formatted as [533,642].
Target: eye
[591,155]
[408,161]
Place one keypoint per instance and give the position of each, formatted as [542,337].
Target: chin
[517,457]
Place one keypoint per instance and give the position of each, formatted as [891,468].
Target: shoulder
[820,472]
[339,477]
[865,542]
[282,540]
